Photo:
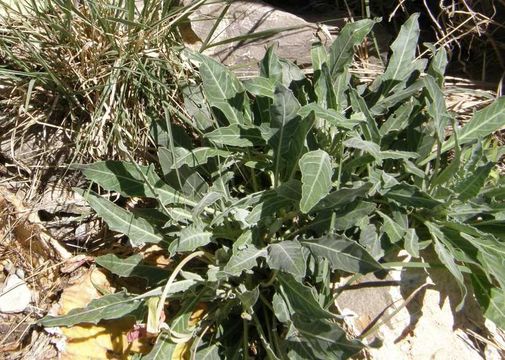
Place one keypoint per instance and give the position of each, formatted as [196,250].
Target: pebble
[15,296]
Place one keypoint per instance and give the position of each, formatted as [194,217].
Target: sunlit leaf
[437,108]
[491,299]
[438,65]
[163,349]
[190,238]
[197,107]
[330,115]
[317,171]
[208,353]
[319,57]
[404,48]
[321,339]
[287,256]
[112,306]
[341,197]
[398,121]
[370,240]
[283,111]
[236,135]
[248,297]
[410,195]
[132,266]
[138,230]
[349,216]
[130,180]
[280,308]
[197,157]
[260,86]
[471,185]
[342,49]
[222,89]
[445,251]
[394,230]
[300,298]
[396,98]
[374,150]
[483,123]
[244,259]
[490,250]
[269,206]
[343,254]
[331,95]
[369,127]
[270,65]
[412,243]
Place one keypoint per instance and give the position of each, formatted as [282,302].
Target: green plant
[291,180]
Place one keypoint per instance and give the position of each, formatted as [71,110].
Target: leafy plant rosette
[290,180]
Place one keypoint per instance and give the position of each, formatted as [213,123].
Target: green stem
[245,338]
[254,180]
[269,330]
[276,338]
[266,302]
[437,160]
[340,162]
[271,280]
[270,353]
[164,294]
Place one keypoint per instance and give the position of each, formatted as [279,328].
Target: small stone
[15,295]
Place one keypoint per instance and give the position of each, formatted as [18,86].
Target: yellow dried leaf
[197,315]
[104,341]
[108,339]
[182,351]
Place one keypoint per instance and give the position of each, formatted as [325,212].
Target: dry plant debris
[25,247]
[116,339]
[105,340]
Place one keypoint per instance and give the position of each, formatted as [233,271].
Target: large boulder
[243,19]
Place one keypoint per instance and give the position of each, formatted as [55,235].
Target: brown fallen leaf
[108,339]
[111,339]
[74,263]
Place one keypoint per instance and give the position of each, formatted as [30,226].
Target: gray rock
[411,315]
[15,296]
[247,17]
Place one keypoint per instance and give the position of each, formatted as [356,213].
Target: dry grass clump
[85,78]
